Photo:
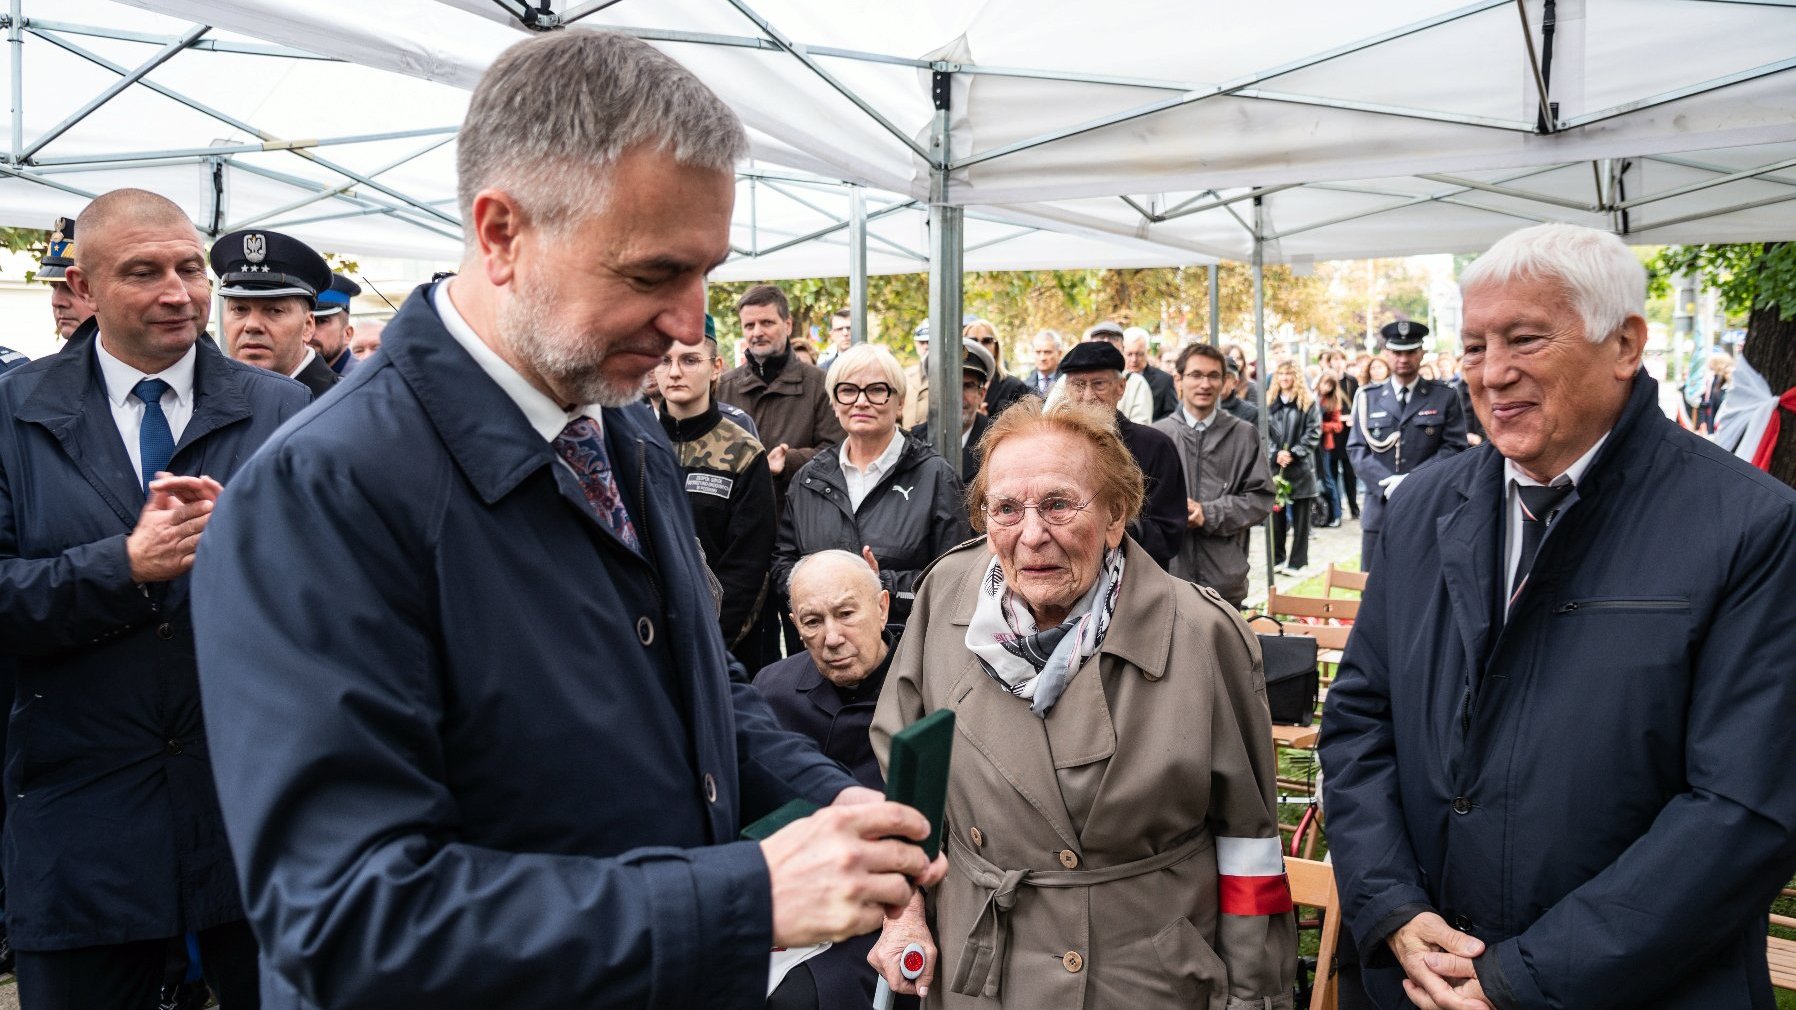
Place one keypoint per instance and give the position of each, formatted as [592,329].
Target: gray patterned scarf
[1033,663]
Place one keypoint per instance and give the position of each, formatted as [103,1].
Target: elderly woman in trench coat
[1111,834]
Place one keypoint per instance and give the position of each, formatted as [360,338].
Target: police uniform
[59,255]
[267,264]
[1392,437]
[333,301]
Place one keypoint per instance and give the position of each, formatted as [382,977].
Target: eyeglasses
[1078,386]
[1055,510]
[688,362]
[876,393]
[1203,376]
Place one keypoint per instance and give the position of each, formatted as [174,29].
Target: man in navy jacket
[113,839]
[1557,755]
[517,777]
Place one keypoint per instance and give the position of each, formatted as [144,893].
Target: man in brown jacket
[1228,486]
[786,397]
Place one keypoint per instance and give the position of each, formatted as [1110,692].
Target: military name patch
[709,483]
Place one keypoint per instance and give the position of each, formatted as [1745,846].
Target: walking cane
[910,965]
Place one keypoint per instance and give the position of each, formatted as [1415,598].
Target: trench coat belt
[981,968]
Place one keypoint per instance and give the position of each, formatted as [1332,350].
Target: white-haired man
[519,776]
[1558,760]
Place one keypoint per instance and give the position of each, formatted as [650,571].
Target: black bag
[1293,681]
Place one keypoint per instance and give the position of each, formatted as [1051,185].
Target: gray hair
[863,354]
[1053,335]
[857,565]
[553,112]
[1600,275]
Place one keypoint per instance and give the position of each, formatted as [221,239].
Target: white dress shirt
[1194,423]
[540,410]
[862,482]
[304,360]
[1513,478]
[127,410]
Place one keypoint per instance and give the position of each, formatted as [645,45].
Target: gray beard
[557,354]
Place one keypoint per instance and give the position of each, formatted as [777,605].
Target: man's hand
[1438,960]
[888,952]
[1194,513]
[845,869]
[1389,484]
[776,458]
[867,556]
[1285,457]
[161,546]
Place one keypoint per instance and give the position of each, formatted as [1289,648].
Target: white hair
[1053,335]
[861,354]
[1600,275]
[857,568]
[1137,333]
[553,112]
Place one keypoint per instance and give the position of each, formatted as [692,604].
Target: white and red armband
[1251,875]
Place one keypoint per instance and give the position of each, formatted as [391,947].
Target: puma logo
[905,491]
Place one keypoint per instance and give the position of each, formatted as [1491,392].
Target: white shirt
[304,360]
[862,482]
[1194,423]
[127,410]
[540,410]
[1513,478]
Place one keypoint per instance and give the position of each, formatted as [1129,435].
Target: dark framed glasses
[876,393]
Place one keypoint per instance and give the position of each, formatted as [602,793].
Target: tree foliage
[1749,276]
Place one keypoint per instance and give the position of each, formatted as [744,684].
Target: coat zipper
[1577,605]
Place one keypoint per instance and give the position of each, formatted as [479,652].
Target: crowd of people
[450,674]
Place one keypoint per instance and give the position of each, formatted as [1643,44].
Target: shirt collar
[883,463]
[122,378]
[1573,474]
[1203,425]
[303,362]
[543,413]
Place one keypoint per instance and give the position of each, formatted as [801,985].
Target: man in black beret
[269,283]
[1092,373]
[331,328]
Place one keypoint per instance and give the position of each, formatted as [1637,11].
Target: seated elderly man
[828,693]
[1557,758]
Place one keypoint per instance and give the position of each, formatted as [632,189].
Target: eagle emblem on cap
[1402,328]
[255,247]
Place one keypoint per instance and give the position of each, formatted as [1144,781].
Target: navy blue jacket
[1598,787]
[515,777]
[1433,424]
[112,829]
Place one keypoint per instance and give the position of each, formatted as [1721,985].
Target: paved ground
[1339,545]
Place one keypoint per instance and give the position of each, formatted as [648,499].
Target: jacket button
[1070,860]
[1462,923]
[1072,961]
[165,631]
[173,747]
[645,631]
[1461,805]
[978,838]
[710,788]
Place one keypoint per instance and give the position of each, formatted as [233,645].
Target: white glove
[1389,484]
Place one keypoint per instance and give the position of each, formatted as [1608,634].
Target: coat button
[978,838]
[1462,923]
[165,631]
[710,788]
[1072,961]
[645,631]
[1461,805]
[173,747]
[1070,860]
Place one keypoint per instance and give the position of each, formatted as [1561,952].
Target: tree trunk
[1771,350]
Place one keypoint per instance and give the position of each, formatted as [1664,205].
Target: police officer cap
[267,264]
[1403,335]
[979,360]
[61,252]
[710,327]
[1092,356]
[921,333]
[336,298]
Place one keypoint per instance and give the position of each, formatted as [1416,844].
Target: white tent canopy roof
[1140,143]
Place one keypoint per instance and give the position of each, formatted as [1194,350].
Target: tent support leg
[15,37]
[857,262]
[946,252]
[1215,309]
[1259,339]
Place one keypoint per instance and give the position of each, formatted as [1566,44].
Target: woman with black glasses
[880,493]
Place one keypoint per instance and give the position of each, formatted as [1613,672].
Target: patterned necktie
[155,443]
[582,445]
[1539,507]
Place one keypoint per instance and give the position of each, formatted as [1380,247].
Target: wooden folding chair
[1781,952]
[1342,578]
[1282,605]
[1313,886]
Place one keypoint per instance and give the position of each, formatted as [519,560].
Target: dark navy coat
[1433,424]
[1599,787]
[112,827]
[516,775]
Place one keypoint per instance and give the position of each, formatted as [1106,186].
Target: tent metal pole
[587,9]
[754,219]
[229,120]
[1699,166]
[163,55]
[1259,340]
[1748,173]
[857,263]
[227,149]
[1485,187]
[363,212]
[831,229]
[397,211]
[205,45]
[1186,209]
[1546,123]
[1407,203]
[946,240]
[1691,91]
[1377,109]
[339,189]
[16,38]
[19,173]
[1215,308]
[1717,212]
[1022,230]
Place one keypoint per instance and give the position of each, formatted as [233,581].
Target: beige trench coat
[1160,744]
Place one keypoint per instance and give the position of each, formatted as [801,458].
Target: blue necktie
[155,443]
